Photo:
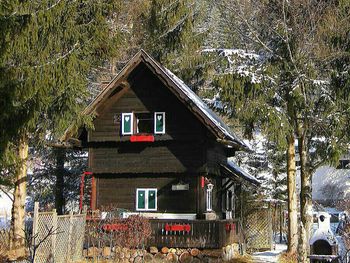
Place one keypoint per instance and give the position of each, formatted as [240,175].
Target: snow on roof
[215,119]
[234,168]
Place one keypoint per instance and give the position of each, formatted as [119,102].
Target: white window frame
[146,199]
[131,123]
[155,123]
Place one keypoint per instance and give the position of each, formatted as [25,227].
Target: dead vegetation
[288,258]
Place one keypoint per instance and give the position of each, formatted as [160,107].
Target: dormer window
[143,123]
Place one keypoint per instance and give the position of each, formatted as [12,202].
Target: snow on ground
[269,256]
[5,210]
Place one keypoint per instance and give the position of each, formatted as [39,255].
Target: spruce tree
[47,50]
[174,38]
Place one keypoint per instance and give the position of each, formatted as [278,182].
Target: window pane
[144,122]
[152,199]
[159,122]
[141,199]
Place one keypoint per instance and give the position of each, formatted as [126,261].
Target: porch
[195,233]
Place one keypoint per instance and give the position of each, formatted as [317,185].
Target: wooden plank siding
[149,158]
[147,94]
[121,193]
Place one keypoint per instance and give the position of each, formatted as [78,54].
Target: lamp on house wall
[210,187]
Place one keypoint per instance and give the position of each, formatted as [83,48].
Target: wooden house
[158,150]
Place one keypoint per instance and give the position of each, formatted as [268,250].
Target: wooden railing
[194,233]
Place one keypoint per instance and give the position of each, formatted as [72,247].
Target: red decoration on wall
[230,227]
[114,227]
[186,227]
[142,138]
[202,181]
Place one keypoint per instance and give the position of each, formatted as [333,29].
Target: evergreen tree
[47,52]
[293,98]
[174,37]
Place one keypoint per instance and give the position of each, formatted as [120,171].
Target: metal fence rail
[59,238]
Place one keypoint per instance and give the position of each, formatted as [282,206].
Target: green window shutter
[152,196]
[159,122]
[127,123]
[141,199]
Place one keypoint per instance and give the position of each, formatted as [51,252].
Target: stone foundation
[165,254]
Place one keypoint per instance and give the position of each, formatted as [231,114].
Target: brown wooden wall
[121,192]
[146,93]
[149,158]
[187,146]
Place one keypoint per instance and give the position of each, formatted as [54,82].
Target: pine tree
[47,51]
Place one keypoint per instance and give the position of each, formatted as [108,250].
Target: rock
[106,251]
[148,257]
[165,250]
[185,257]
[194,252]
[172,257]
[153,250]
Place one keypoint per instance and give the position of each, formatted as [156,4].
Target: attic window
[144,123]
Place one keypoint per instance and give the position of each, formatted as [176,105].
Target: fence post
[69,256]
[54,234]
[35,223]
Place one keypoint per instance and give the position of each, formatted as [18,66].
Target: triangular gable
[221,131]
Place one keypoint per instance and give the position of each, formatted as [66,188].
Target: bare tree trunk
[60,155]
[18,207]
[292,197]
[305,202]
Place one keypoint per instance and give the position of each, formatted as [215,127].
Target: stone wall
[165,254]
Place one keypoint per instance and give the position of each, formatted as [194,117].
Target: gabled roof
[221,131]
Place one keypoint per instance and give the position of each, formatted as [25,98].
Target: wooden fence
[58,238]
[194,233]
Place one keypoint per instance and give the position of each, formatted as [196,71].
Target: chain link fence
[57,238]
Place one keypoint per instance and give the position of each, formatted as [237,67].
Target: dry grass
[4,244]
[288,258]
[242,259]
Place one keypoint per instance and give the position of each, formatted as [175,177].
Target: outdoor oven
[323,243]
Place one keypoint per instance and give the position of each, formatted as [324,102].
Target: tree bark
[292,197]
[60,156]
[305,201]
[19,198]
